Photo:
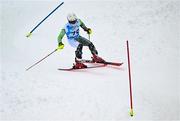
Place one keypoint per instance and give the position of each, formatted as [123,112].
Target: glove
[60,46]
[89,31]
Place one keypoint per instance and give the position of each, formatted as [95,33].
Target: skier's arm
[88,30]
[60,36]
[83,25]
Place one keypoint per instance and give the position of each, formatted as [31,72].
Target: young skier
[71,30]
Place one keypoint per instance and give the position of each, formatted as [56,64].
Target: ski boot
[79,64]
[97,59]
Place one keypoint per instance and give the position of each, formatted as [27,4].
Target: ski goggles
[73,22]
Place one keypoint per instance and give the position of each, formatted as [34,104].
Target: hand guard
[89,31]
[60,46]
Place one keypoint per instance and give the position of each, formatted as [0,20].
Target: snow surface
[44,93]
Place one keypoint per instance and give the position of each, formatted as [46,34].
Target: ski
[106,62]
[89,67]
[102,64]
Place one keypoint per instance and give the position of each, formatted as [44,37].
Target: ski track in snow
[44,93]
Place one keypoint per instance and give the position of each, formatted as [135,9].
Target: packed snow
[45,93]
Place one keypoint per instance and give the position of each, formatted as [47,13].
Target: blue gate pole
[30,33]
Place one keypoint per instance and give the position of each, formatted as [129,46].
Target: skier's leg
[94,52]
[92,49]
[78,58]
[78,51]
[86,42]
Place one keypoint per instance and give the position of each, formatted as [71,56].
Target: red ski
[106,62]
[71,69]
[103,64]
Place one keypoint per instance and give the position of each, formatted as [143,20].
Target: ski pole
[130,84]
[89,36]
[41,59]
[30,33]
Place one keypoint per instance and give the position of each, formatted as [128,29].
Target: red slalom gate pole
[130,83]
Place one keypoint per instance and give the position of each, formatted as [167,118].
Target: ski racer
[71,30]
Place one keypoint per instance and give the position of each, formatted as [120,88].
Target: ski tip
[29,34]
